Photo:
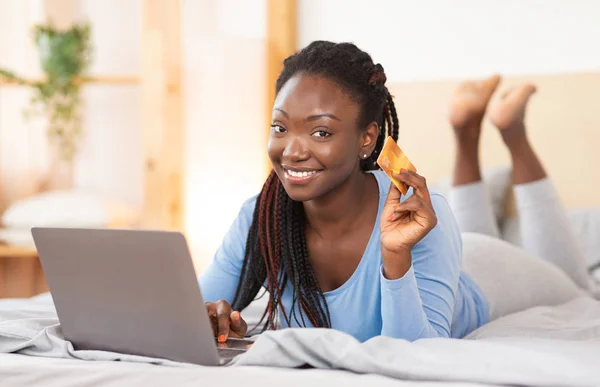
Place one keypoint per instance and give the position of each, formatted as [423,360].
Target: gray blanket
[546,346]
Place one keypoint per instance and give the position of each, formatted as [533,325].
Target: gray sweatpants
[549,270]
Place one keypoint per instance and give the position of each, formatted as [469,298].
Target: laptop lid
[127,291]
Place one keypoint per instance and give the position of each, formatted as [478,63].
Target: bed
[20,370]
[544,346]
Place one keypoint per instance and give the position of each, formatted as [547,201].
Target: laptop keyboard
[231,348]
[229,353]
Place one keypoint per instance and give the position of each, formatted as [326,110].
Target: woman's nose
[295,150]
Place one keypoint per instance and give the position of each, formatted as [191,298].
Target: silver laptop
[130,291]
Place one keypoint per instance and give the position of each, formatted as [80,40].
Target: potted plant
[65,55]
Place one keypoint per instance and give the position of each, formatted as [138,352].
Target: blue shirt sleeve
[219,281]
[421,303]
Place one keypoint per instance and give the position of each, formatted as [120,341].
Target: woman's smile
[299,176]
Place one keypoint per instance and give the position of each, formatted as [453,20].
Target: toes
[529,89]
[507,92]
[522,94]
[489,85]
[519,93]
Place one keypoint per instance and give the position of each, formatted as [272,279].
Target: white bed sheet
[21,370]
[570,332]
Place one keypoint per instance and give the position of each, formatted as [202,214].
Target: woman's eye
[321,133]
[278,128]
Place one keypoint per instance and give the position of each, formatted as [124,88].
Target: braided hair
[276,253]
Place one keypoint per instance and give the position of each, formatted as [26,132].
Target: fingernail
[235,315]
[402,170]
[222,339]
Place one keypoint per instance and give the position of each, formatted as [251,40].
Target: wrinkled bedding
[544,346]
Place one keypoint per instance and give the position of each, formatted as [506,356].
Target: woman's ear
[369,139]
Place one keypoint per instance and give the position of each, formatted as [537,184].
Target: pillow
[498,181]
[68,209]
[586,226]
[17,238]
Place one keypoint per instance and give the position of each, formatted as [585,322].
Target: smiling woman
[336,245]
[333,243]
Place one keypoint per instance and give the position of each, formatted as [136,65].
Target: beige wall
[563,123]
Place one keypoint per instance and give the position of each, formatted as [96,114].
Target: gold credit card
[392,159]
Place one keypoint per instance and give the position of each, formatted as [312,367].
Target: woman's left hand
[404,224]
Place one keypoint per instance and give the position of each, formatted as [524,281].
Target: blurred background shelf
[21,274]
[98,80]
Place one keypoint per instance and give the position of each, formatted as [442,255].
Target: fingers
[238,325]
[394,194]
[219,313]
[414,180]
[211,308]
[404,209]
[412,204]
[415,208]
[223,322]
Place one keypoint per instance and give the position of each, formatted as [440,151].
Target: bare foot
[468,105]
[508,115]
[467,109]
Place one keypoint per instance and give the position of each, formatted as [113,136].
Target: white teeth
[300,174]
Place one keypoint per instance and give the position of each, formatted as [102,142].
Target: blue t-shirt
[433,299]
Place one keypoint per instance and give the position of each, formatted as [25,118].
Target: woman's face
[315,143]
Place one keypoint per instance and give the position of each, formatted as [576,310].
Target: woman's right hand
[225,321]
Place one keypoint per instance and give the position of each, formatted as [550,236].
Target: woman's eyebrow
[282,112]
[310,118]
[324,115]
